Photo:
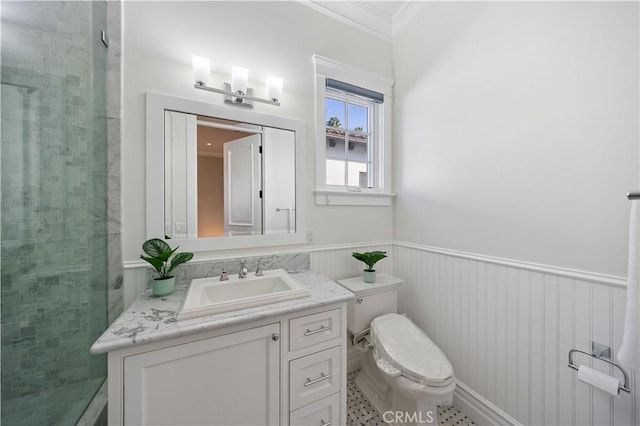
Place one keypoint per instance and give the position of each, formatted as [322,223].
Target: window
[349,140]
[353,133]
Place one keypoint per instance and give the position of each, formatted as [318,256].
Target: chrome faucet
[242,273]
[259,272]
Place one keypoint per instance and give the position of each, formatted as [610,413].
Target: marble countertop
[152,319]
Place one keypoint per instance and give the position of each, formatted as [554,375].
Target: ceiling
[383,19]
[387,9]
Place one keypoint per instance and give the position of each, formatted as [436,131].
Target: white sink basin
[209,296]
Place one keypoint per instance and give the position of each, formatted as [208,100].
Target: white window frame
[381,194]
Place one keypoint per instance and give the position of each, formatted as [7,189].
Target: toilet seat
[402,349]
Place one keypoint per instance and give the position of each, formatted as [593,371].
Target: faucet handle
[223,275]
[242,273]
[259,272]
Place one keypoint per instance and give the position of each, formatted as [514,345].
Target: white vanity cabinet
[285,370]
[200,383]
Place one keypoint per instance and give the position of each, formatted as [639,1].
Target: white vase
[369,276]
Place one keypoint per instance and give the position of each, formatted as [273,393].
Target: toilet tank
[372,300]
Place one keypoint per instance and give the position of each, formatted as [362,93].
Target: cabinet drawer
[311,329]
[314,376]
[325,412]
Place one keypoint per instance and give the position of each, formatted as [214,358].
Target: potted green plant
[370,258]
[164,260]
[334,122]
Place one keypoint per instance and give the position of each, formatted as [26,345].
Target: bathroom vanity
[277,364]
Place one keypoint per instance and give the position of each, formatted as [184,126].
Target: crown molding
[368,20]
[405,14]
[361,15]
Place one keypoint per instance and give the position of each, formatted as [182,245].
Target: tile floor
[61,406]
[360,412]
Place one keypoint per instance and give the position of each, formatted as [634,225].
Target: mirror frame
[156,105]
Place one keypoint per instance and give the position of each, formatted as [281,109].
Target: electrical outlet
[309,237]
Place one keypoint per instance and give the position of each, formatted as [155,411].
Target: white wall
[516,141]
[517,130]
[268,38]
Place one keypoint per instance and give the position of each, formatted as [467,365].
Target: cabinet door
[232,379]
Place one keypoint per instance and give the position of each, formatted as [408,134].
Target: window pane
[358,147]
[357,174]
[335,113]
[335,172]
[335,147]
[358,118]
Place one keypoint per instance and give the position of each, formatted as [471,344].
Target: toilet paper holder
[602,353]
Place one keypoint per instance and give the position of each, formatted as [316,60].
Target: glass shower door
[53,208]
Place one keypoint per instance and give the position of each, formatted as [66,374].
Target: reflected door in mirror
[226,178]
[242,186]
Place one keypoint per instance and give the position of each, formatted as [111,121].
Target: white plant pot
[369,276]
[163,287]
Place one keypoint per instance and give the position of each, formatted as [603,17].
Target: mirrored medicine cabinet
[223,178]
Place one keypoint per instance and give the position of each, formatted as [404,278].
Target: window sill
[335,197]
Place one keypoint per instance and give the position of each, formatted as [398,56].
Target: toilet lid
[403,345]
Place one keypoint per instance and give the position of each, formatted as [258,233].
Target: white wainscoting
[507,328]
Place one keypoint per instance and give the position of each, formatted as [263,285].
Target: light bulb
[201,70]
[239,79]
[274,88]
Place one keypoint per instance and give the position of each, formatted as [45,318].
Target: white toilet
[403,373]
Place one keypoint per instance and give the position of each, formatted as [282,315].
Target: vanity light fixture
[236,93]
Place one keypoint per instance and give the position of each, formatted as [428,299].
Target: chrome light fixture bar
[237,98]
[237,93]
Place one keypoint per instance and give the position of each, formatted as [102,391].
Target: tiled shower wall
[54,192]
[115,271]
[507,329]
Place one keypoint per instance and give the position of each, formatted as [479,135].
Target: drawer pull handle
[322,423]
[318,330]
[322,377]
